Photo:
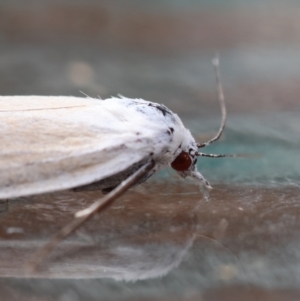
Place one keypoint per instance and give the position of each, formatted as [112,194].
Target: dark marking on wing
[170,131]
[161,108]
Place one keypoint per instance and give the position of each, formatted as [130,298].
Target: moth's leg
[198,177]
[204,184]
[84,215]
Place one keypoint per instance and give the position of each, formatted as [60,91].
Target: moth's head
[185,161]
[185,158]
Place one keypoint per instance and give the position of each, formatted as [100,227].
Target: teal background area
[273,140]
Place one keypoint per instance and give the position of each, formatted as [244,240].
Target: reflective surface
[164,235]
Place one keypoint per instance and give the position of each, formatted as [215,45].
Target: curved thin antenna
[227,155]
[215,62]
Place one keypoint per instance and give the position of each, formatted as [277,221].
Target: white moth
[55,143]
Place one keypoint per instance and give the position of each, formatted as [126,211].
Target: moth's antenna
[217,155]
[227,155]
[221,97]
[215,62]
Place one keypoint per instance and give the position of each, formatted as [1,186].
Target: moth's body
[51,143]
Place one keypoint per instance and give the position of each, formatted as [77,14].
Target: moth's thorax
[181,140]
[167,137]
[164,128]
[172,143]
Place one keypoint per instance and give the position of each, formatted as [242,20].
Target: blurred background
[161,51]
[156,50]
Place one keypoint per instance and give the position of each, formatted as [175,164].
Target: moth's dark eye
[182,162]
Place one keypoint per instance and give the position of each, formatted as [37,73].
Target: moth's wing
[55,143]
